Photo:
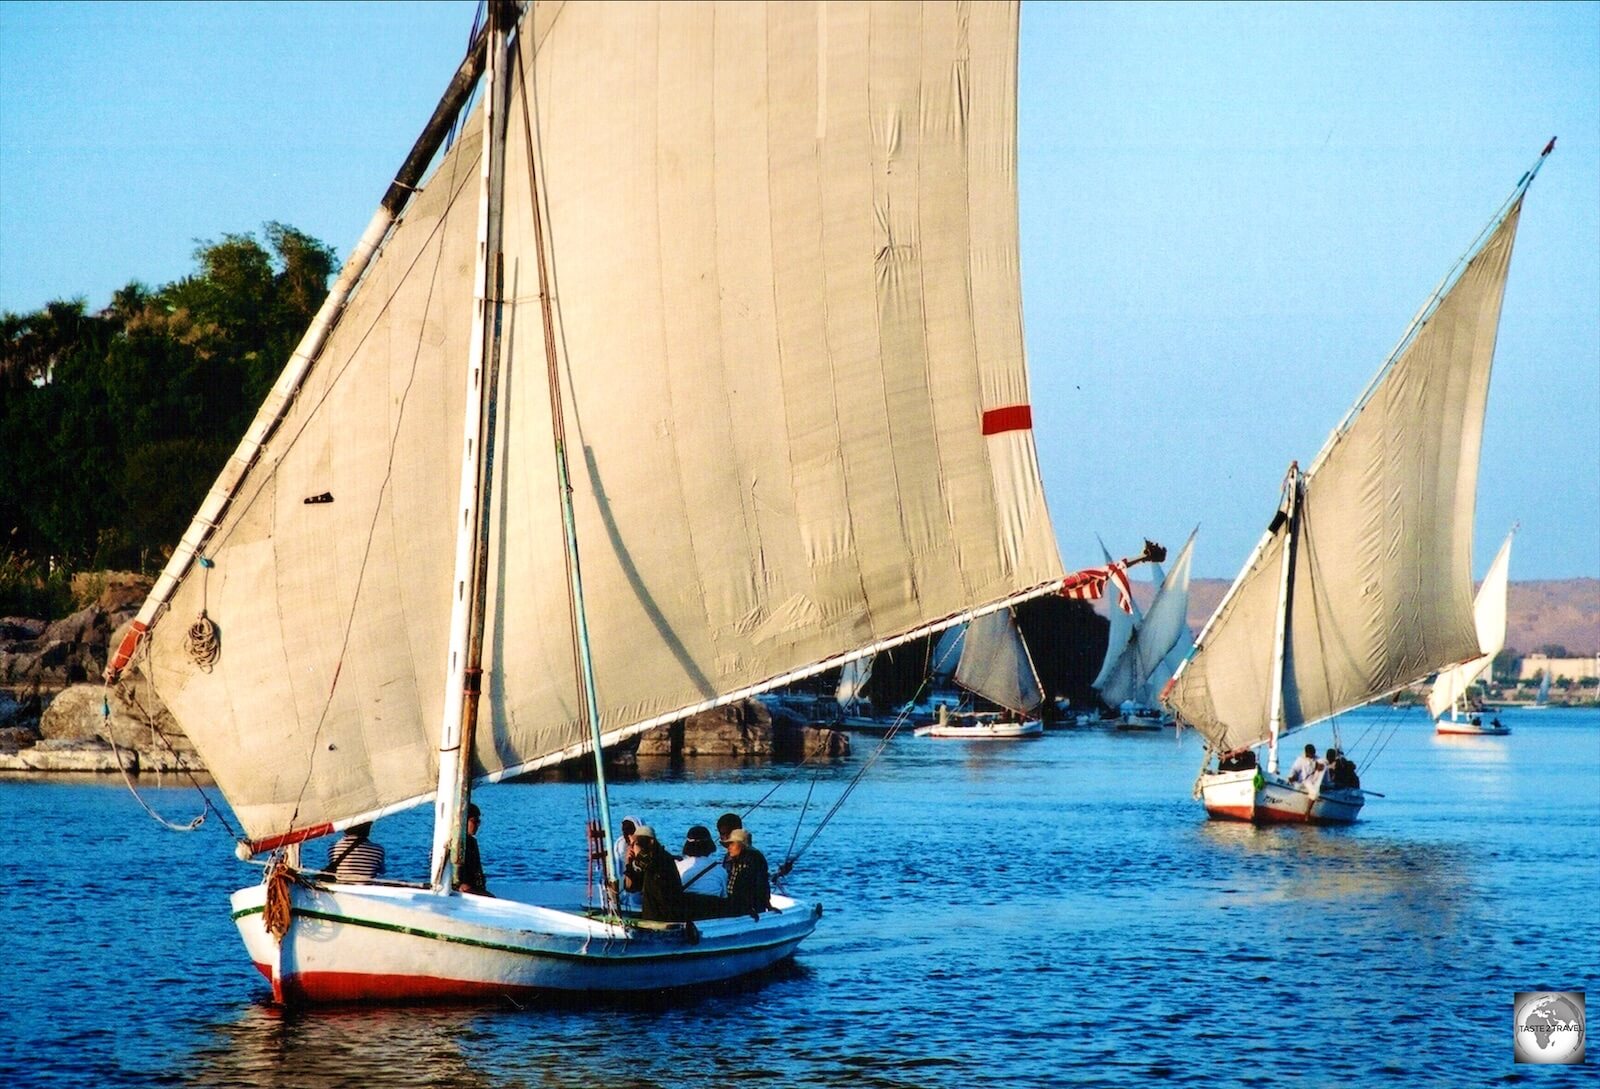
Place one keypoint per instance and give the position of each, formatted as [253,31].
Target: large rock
[19,629]
[13,738]
[87,625]
[745,729]
[120,592]
[138,718]
[71,650]
[66,755]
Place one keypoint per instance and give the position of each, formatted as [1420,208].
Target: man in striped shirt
[355,858]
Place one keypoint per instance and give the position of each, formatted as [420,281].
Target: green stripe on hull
[480,943]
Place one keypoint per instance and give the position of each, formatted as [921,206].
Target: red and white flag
[1090,585]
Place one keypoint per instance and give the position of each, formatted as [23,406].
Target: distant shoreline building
[1578,669]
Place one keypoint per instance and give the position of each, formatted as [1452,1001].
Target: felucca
[996,665]
[1140,645]
[723,300]
[1447,699]
[1362,583]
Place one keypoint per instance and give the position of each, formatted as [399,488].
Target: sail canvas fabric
[1130,675]
[783,258]
[996,665]
[1382,577]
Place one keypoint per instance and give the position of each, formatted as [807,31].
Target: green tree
[114,425]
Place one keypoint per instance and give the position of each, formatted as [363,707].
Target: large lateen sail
[1130,675]
[1381,580]
[783,251]
[1489,616]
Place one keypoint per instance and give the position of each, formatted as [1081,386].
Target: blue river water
[1043,912]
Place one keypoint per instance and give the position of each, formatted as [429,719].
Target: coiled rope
[203,643]
[275,915]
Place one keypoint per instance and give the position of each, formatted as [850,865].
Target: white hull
[1140,722]
[1234,795]
[1469,728]
[374,943]
[985,731]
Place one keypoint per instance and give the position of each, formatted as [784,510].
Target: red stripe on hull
[334,987]
[1010,418]
[1255,815]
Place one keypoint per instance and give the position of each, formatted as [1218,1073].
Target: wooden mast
[599,838]
[464,665]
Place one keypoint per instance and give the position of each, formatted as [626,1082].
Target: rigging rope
[900,719]
[122,766]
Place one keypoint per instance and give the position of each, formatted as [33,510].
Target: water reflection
[340,1047]
[556,1040]
[1418,887]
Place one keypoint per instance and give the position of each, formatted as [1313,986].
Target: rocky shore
[56,716]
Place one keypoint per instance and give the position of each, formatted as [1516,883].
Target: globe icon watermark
[1548,1026]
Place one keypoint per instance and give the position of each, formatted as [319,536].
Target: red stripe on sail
[299,835]
[1010,418]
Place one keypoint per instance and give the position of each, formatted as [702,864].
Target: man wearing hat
[469,875]
[749,886]
[653,874]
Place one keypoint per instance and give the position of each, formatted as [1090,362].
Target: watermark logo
[1548,1026]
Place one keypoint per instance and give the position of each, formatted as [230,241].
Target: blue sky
[1229,214]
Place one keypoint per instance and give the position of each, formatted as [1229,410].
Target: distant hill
[1565,612]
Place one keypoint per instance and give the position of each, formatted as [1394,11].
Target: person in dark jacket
[749,885]
[469,875]
[653,874]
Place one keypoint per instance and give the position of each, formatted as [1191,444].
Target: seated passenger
[469,875]
[699,858]
[1305,765]
[652,875]
[621,850]
[1243,760]
[355,858]
[749,884]
[1348,779]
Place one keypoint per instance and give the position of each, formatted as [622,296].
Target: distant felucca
[1447,700]
[1140,645]
[1362,582]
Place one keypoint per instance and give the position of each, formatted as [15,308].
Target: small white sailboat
[995,664]
[668,343]
[1362,582]
[1447,699]
[1541,698]
[979,726]
[1140,646]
